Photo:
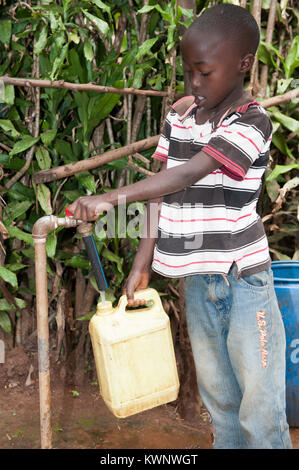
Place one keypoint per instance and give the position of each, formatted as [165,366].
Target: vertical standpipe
[39,233]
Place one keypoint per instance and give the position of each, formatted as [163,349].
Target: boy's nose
[195,82]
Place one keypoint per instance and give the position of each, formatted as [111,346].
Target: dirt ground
[81,420]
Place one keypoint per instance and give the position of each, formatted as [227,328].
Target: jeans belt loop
[225,278]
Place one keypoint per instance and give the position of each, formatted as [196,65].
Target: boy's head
[217,50]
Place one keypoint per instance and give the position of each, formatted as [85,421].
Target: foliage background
[124,43]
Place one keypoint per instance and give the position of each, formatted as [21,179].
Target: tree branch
[77,86]
[279,99]
[269,36]
[63,171]
[254,79]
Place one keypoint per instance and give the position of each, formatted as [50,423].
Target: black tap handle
[93,258]
[95,262]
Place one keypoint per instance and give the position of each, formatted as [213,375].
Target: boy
[215,148]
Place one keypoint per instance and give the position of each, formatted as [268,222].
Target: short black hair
[234,22]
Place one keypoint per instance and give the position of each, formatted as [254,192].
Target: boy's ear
[246,63]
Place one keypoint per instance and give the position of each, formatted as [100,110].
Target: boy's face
[214,67]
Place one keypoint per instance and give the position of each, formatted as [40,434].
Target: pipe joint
[47,223]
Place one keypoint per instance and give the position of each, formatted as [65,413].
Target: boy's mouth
[199,99]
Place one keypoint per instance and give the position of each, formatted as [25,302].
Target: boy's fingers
[129,292]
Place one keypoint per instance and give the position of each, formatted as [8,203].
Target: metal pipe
[40,232]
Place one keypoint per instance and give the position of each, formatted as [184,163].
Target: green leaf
[165,15]
[42,41]
[64,148]
[113,257]
[25,143]
[280,169]
[78,262]
[87,181]
[272,48]
[88,50]
[102,26]
[8,126]
[187,12]
[48,136]
[13,211]
[43,158]
[51,244]
[145,47]
[292,60]
[5,31]
[8,276]
[44,198]
[9,94]
[15,232]
[4,305]
[53,21]
[273,189]
[73,36]
[146,9]
[286,121]
[283,84]
[5,322]
[138,77]
[102,6]
[16,267]
[279,141]
[59,61]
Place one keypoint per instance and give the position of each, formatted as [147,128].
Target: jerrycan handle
[146,294]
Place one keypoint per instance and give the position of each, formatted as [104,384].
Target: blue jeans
[238,342]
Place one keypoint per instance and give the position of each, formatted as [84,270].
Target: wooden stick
[269,37]
[77,86]
[63,171]
[279,99]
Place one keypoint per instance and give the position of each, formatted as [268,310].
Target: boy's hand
[137,280]
[89,207]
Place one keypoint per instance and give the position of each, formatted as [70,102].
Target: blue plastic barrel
[286,284]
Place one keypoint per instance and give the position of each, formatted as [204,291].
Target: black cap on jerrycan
[93,258]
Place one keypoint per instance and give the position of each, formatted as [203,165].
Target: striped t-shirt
[213,223]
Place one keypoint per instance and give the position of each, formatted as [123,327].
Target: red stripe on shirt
[253,253]
[213,262]
[159,157]
[189,264]
[223,159]
[245,137]
[206,220]
[182,127]
[251,141]
[161,147]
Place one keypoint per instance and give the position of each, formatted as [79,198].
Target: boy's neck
[232,101]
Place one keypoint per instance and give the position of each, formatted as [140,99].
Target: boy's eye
[205,74]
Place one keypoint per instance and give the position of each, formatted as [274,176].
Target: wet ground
[81,420]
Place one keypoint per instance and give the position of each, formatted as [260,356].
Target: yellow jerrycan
[134,355]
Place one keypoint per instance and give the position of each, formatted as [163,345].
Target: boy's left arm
[167,182]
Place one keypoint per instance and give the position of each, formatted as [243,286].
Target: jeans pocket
[259,281]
